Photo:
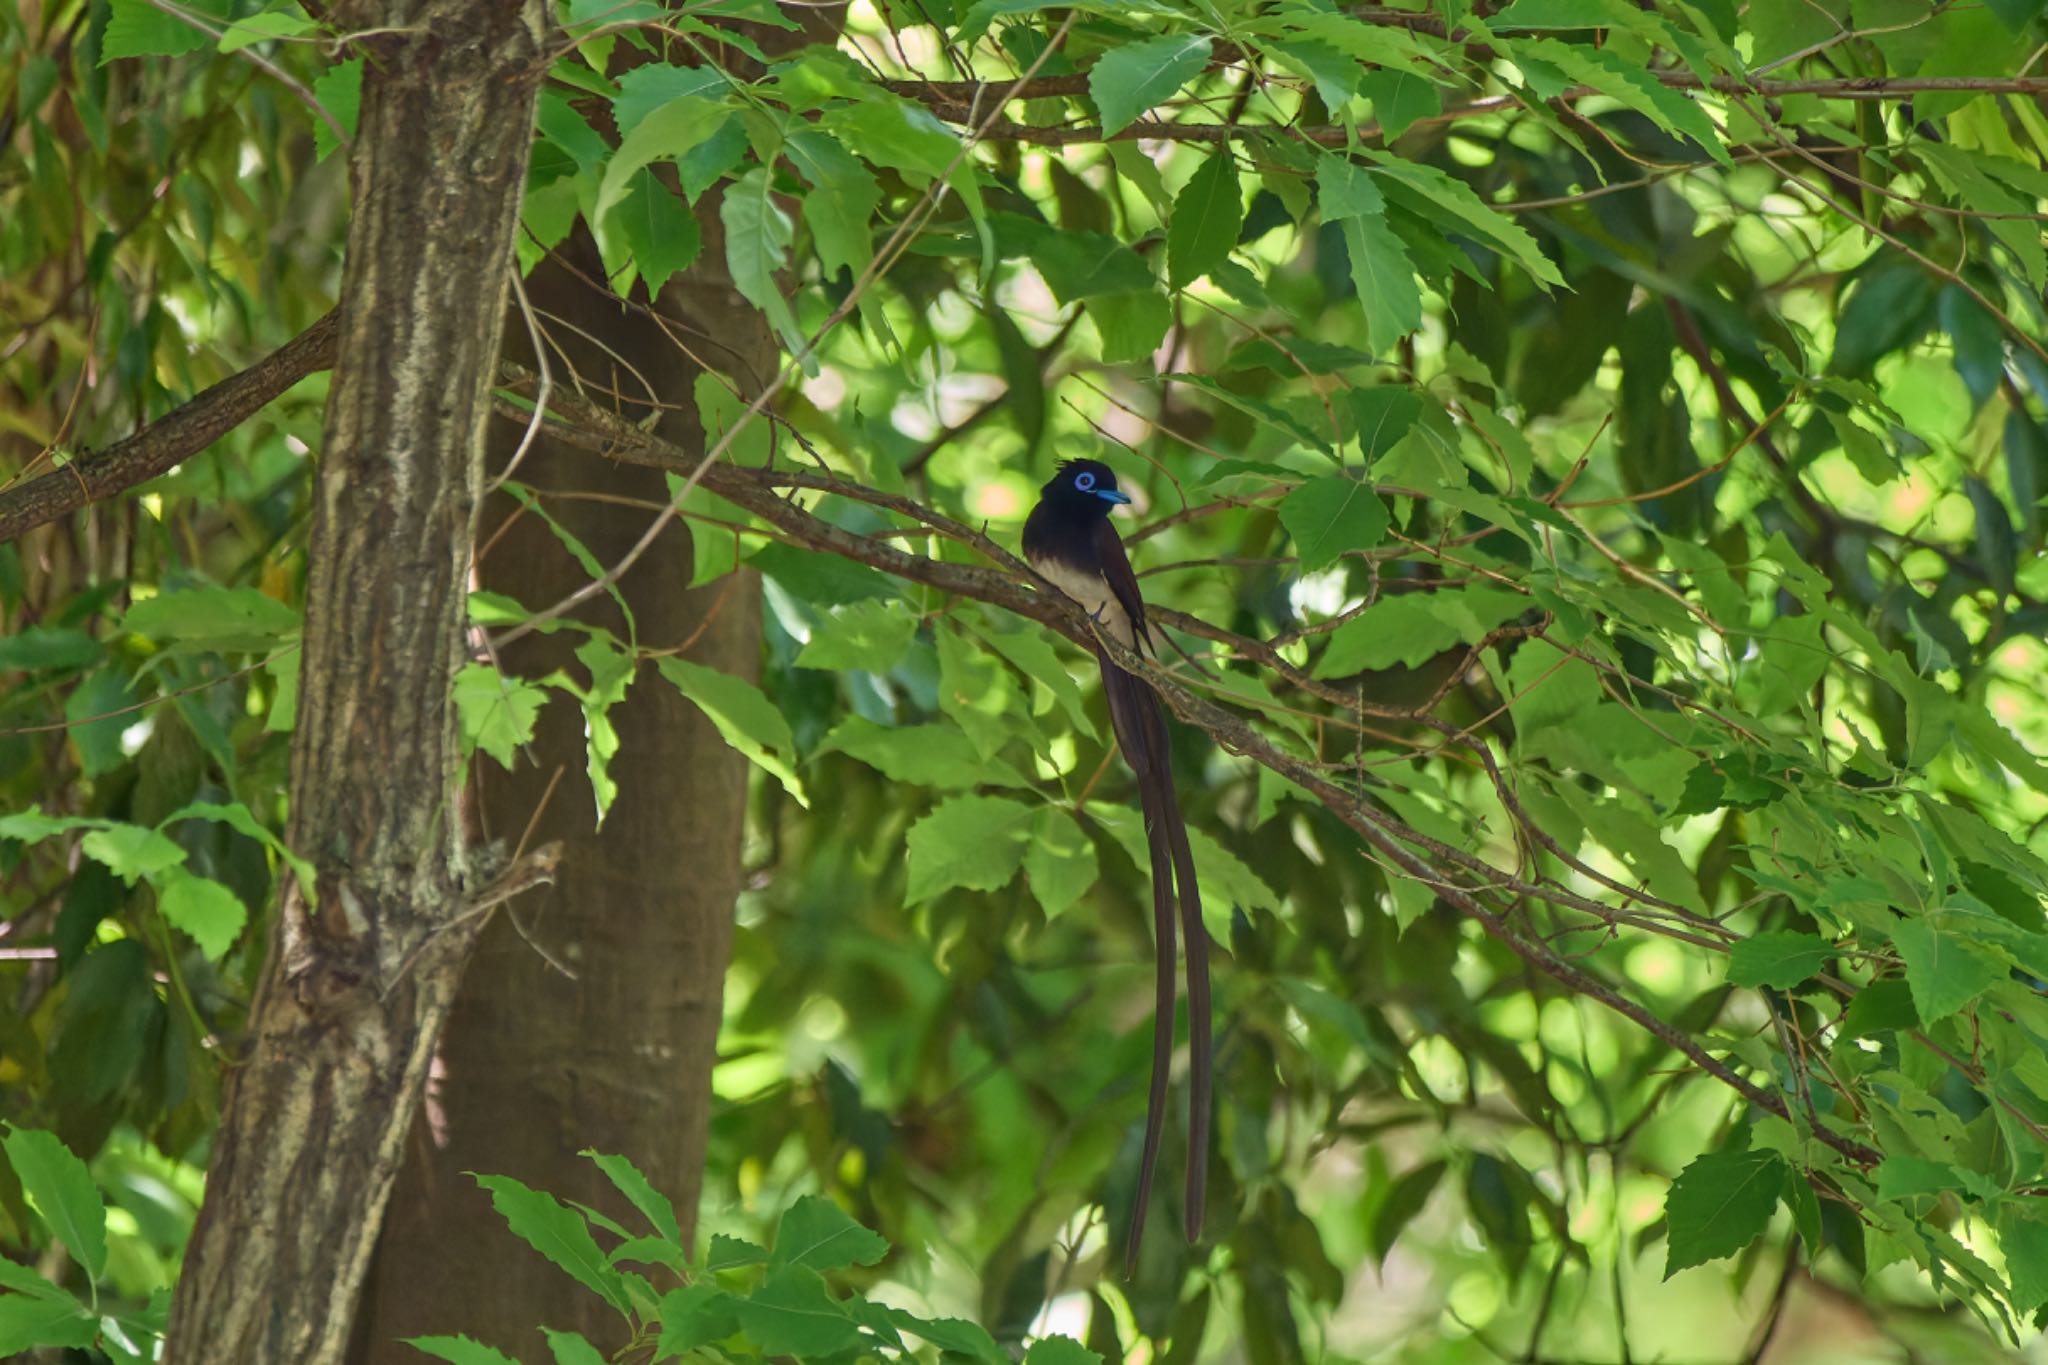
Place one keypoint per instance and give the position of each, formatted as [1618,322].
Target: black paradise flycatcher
[1069,541]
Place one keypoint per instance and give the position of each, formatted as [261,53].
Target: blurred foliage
[1607,440]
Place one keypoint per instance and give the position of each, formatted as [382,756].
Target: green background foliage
[1603,443]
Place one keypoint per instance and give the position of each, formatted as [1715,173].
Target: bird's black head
[1084,488]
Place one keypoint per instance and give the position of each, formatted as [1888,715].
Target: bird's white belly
[1092,592]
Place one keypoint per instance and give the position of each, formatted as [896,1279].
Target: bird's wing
[1123,583]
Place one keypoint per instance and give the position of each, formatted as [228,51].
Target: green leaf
[820,579]
[1632,86]
[1945,972]
[668,132]
[63,1192]
[498,712]
[730,1253]
[640,1193]
[657,228]
[1385,280]
[460,1350]
[816,1232]
[1206,217]
[1442,197]
[27,1322]
[238,818]
[32,826]
[869,634]
[611,673]
[34,647]
[1127,80]
[96,714]
[1225,880]
[558,1233]
[1880,1007]
[1779,959]
[339,89]
[260,27]
[572,1348]
[2025,1243]
[744,716]
[136,28]
[1028,650]
[1345,190]
[695,1316]
[211,914]
[1403,1202]
[840,208]
[1330,515]
[1382,415]
[1060,862]
[1902,1177]
[1719,1205]
[1084,265]
[647,88]
[131,852]
[1400,99]
[1131,325]
[896,133]
[977,692]
[1060,1351]
[923,755]
[235,619]
[793,1314]
[975,842]
[1412,627]
[757,237]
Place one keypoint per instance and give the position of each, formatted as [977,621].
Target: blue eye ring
[1085,481]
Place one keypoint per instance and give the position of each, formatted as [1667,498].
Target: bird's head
[1085,488]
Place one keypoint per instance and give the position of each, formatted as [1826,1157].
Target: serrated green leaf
[1207,214]
[28,1322]
[1780,959]
[869,634]
[1720,1204]
[340,91]
[1330,516]
[693,1316]
[558,1233]
[1449,201]
[647,88]
[923,755]
[1060,1351]
[1633,87]
[1944,971]
[840,208]
[497,712]
[1028,650]
[821,579]
[816,1232]
[1410,628]
[460,1350]
[976,842]
[572,1348]
[235,619]
[1345,190]
[1126,81]
[131,852]
[658,229]
[1060,861]
[1384,277]
[1382,414]
[668,132]
[136,28]
[211,914]
[792,1313]
[2025,1244]
[63,1192]
[744,716]
[757,237]
[640,1193]
[730,1253]
[1901,1177]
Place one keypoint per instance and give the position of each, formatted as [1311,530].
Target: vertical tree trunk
[536,1067]
[356,989]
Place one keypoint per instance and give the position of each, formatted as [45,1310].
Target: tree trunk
[356,990]
[536,1067]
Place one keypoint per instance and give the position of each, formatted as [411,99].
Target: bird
[1069,542]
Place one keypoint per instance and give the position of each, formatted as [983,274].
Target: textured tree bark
[536,1067]
[356,990]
